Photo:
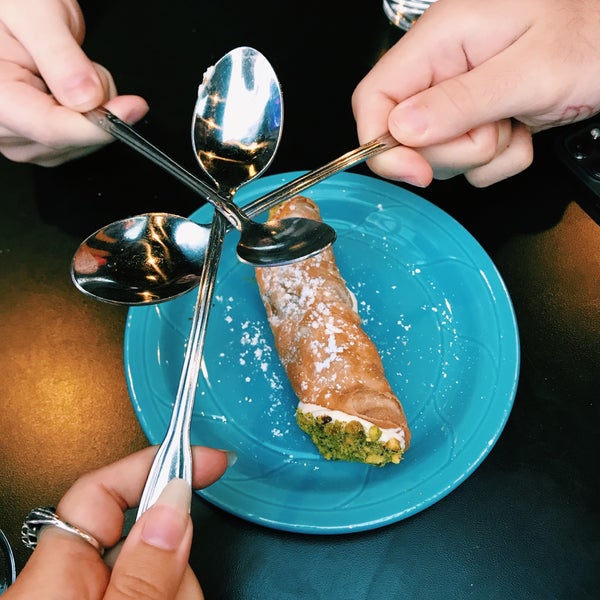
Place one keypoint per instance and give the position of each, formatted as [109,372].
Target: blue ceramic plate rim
[443,268]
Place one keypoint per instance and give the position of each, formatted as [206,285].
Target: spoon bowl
[8,571]
[288,239]
[141,260]
[238,118]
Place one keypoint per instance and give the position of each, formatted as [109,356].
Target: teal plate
[435,305]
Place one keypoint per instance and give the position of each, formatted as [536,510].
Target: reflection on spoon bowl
[288,240]
[141,260]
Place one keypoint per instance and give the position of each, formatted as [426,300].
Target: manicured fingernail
[166,522]
[231,457]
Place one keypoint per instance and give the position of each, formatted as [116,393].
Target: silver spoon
[245,75]
[173,458]
[101,267]
[235,133]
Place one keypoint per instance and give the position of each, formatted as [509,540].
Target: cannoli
[346,404]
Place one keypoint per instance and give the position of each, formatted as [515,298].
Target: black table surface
[523,525]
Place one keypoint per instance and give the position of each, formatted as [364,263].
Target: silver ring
[46,515]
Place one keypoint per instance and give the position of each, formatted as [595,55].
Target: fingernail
[416,182]
[81,91]
[231,457]
[409,120]
[135,113]
[166,521]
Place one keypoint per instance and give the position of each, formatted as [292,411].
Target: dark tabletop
[524,525]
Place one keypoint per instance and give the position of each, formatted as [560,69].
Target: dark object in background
[578,148]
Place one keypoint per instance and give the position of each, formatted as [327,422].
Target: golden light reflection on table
[555,286]
[65,405]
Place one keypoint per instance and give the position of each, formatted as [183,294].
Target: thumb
[444,81]
[154,558]
[461,103]
[51,33]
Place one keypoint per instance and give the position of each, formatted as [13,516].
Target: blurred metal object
[8,571]
[404,13]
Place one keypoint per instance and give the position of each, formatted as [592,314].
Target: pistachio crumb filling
[339,440]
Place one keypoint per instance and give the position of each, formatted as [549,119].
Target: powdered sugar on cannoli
[329,359]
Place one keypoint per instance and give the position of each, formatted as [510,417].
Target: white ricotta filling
[338,415]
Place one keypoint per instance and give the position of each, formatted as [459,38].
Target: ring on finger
[46,515]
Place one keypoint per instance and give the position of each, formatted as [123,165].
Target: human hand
[152,563]
[471,82]
[46,81]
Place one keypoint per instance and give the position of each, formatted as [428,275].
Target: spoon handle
[174,458]
[106,120]
[343,162]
